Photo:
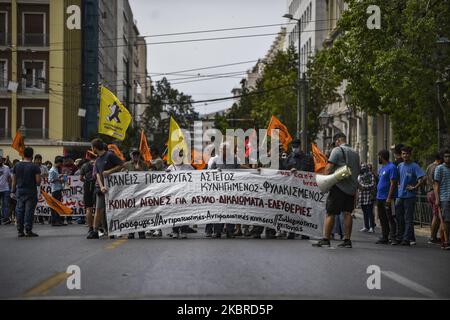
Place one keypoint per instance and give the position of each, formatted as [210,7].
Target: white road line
[410,284]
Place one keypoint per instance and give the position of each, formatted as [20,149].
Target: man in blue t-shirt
[26,180]
[411,178]
[386,194]
[442,193]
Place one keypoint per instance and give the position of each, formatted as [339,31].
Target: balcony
[33,40]
[29,133]
[5,39]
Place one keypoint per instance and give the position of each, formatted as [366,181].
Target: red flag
[116,150]
[144,149]
[19,143]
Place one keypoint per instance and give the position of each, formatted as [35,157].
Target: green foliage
[394,70]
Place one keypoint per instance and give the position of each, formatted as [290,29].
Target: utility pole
[302,130]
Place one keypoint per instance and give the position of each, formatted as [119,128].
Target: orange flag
[197,160]
[116,150]
[56,205]
[285,137]
[19,143]
[320,160]
[144,149]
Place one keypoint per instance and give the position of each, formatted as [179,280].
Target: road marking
[43,287]
[410,284]
[116,244]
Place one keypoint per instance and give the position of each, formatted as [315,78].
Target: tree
[394,70]
[175,103]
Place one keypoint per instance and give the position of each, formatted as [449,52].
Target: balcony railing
[5,39]
[34,40]
[33,89]
[34,133]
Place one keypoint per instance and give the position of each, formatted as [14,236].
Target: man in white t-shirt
[5,187]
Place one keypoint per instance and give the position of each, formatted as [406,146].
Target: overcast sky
[171,16]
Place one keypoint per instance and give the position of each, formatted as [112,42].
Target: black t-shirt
[25,173]
[107,161]
[87,171]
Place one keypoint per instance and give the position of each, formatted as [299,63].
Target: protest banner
[282,200]
[72,197]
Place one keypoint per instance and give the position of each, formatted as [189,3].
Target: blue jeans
[404,211]
[338,227]
[369,219]
[4,198]
[26,205]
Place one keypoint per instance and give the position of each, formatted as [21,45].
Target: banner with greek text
[72,197]
[282,200]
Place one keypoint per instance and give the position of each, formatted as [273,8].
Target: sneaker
[93,235]
[247,233]
[413,243]
[256,236]
[21,234]
[7,222]
[346,244]
[405,243]
[31,234]
[238,233]
[174,235]
[322,243]
[218,235]
[130,236]
[184,236]
[278,235]
[190,230]
[302,237]
[382,241]
[363,230]
[371,230]
[434,241]
[395,242]
[209,234]
[157,233]
[230,235]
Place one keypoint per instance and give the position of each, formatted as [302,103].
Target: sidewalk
[421,232]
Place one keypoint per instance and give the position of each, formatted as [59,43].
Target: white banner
[72,197]
[285,201]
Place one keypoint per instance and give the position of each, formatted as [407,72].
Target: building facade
[312,16]
[39,76]
[367,134]
[99,58]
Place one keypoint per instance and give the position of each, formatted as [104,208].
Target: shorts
[101,202]
[431,198]
[88,197]
[445,210]
[338,201]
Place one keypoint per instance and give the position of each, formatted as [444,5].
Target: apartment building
[39,76]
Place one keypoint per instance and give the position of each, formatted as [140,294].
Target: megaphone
[325,183]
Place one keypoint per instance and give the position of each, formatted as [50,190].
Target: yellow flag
[177,142]
[114,117]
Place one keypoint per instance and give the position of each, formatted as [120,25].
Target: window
[33,76]
[4,28]
[3,73]
[3,122]
[33,29]
[33,121]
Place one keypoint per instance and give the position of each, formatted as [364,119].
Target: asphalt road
[201,268]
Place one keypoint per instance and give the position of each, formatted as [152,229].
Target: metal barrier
[423,213]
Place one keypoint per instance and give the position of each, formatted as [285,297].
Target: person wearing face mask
[297,160]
